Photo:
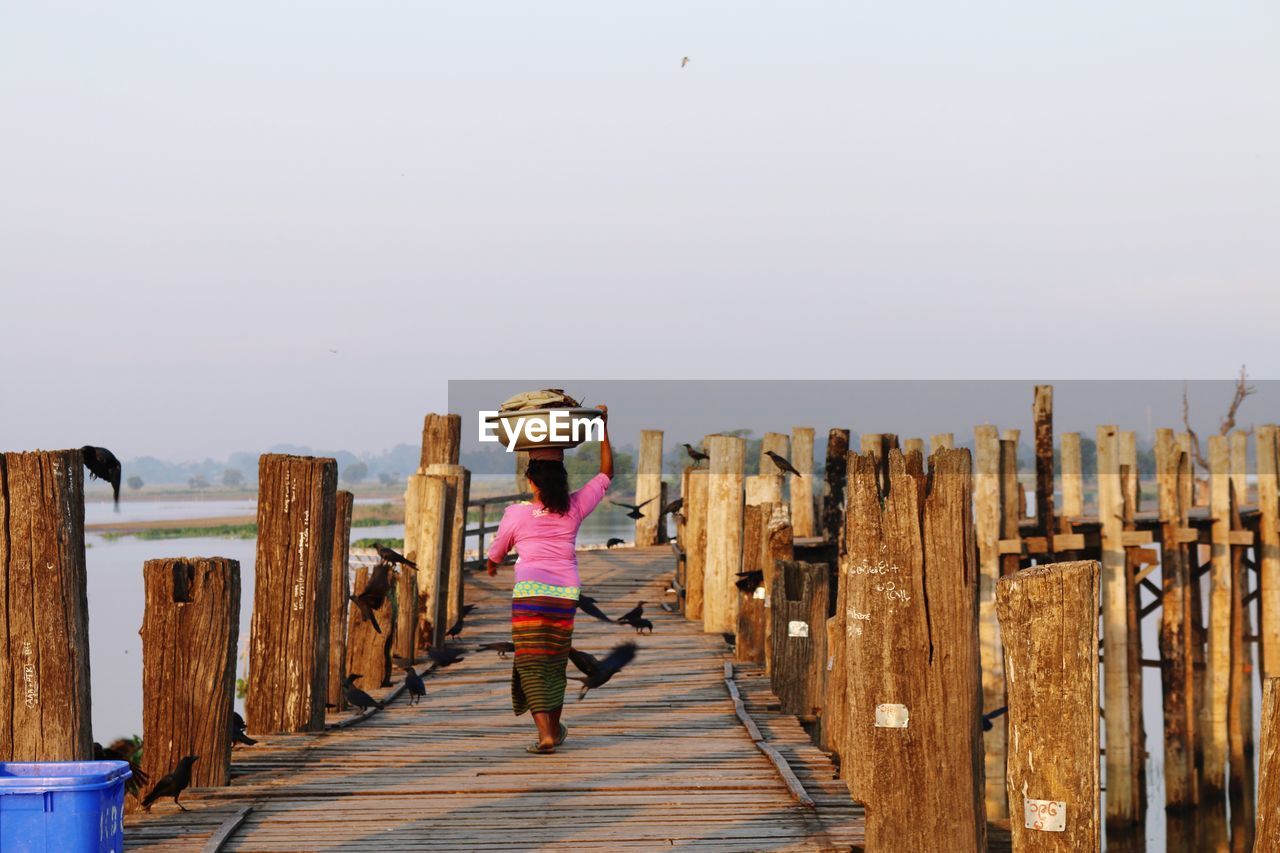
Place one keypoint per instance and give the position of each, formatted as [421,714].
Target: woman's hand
[606,449]
[491,567]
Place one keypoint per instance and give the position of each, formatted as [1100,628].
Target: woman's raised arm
[606,449]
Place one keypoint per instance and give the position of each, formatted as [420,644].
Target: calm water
[116,593]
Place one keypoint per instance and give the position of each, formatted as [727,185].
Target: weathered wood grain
[1048,617]
[987,525]
[649,487]
[1072,478]
[441,440]
[1042,414]
[1268,829]
[289,633]
[724,533]
[190,629]
[749,645]
[44,624]
[694,540]
[451,591]
[798,611]
[369,651]
[428,513]
[1267,455]
[1218,671]
[801,487]
[340,588]
[835,475]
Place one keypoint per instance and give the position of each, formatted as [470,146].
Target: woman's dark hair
[552,482]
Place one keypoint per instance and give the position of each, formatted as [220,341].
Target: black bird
[614,542]
[731,639]
[641,624]
[445,656]
[782,463]
[467,608]
[173,784]
[103,465]
[457,627]
[696,455]
[392,557]
[365,611]
[634,508]
[748,581]
[598,672]
[503,649]
[413,683]
[587,605]
[356,697]
[987,725]
[123,750]
[238,733]
[631,615]
[673,507]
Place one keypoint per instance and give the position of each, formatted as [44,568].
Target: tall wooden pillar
[289,633]
[834,474]
[724,533]
[190,629]
[459,486]
[344,503]
[1042,412]
[649,487]
[1072,479]
[798,611]
[693,540]
[802,486]
[44,625]
[441,439]
[987,523]
[369,647]
[1268,550]
[426,543]
[1218,671]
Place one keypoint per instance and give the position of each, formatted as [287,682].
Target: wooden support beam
[1072,478]
[987,522]
[724,533]
[1012,502]
[1042,414]
[190,629]
[801,488]
[1240,782]
[453,583]
[289,632]
[1239,452]
[339,589]
[1015,436]
[369,647]
[1218,675]
[1267,454]
[798,611]
[1133,563]
[1268,829]
[1129,460]
[44,625]
[441,440]
[834,473]
[1123,794]
[649,487]
[779,546]
[779,443]
[835,710]
[752,613]
[427,535]
[694,540]
[912,658]
[1047,618]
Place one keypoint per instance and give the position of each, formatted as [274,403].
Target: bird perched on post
[366,612]
[594,672]
[173,784]
[374,593]
[356,697]
[696,455]
[783,463]
[239,732]
[123,750]
[503,649]
[393,557]
[634,508]
[631,615]
[587,605]
[413,683]
[103,465]
[748,581]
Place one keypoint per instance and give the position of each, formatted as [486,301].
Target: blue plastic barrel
[69,806]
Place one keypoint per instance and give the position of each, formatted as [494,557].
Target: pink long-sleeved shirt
[545,540]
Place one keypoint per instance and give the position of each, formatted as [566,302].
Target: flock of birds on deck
[103,464]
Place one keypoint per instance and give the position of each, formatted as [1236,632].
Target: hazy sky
[199,201]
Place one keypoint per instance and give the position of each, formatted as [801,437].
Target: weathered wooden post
[649,487]
[1218,672]
[798,611]
[914,445]
[1267,458]
[1240,687]
[1072,479]
[44,625]
[724,533]
[1042,412]
[1173,471]
[1048,617]
[441,440]
[340,588]
[369,648]
[802,486]
[453,583]
[834,474]
[941,441]
[779,546]
[987,523]
[752,613]
[911,654]
[289,632]
[834,696]
[693,540]
[1268,831]
[190,629]
[758,489]
[426,541]
[778,443]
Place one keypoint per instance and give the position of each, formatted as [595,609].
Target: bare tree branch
[1195,439]
[1242,392]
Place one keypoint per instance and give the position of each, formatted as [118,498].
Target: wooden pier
[657,758]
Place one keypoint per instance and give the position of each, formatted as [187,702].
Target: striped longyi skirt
[542,631]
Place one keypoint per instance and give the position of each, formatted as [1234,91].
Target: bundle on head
[552,482]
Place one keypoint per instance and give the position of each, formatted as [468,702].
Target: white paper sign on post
[1045,815]
[890,716]
[796,628]
[759,593]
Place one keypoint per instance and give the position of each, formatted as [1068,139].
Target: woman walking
[545,597]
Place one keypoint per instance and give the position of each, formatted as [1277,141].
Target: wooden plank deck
[655,759]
